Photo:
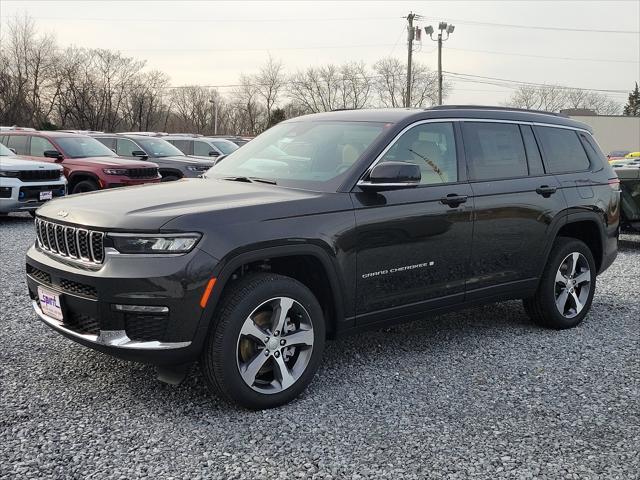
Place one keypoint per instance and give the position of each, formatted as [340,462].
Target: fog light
[141,308]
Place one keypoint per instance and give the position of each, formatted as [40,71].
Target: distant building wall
[613,132]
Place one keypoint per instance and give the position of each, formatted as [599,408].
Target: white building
[613,132]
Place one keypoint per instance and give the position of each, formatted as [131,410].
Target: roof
[397,115]
[45,133]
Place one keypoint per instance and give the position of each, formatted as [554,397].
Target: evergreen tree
[632,108]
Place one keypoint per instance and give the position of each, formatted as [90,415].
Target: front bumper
[24,197]
[88,299]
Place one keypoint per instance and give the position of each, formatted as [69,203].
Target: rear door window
[20,143]
[107,142]
[562,150]
[202,149]
[182,145]
[40,145]
[494,150]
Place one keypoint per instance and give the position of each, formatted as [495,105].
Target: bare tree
[145,108]
[391,83]
[269,85]
[554,98]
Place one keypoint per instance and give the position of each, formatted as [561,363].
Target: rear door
[515,205]
[414,244]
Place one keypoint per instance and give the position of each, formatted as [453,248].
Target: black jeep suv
[328,224]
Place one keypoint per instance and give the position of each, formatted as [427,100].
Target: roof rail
[490,107]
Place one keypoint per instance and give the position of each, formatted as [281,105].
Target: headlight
[115,171]
[198,168]
[169,243]
[9,173]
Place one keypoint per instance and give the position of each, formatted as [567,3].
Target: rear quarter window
[20,143]
[562,150]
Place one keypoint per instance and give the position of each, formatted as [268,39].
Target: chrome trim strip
[107,338]
[458,119]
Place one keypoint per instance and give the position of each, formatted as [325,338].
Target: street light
[215,115]
[448,29]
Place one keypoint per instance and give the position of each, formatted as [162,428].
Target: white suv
[25,184]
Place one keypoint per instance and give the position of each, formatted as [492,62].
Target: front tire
[85,186]
[566,289]
[266,343]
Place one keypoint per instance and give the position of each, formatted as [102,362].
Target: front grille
[39,175]
[43,277]
[145,328]
[142,172]
[70,242]
[82,323]
[70,286]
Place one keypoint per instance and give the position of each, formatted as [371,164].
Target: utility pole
[442,27]
[410,35]
[215,115]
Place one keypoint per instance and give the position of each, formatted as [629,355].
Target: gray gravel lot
[481,393]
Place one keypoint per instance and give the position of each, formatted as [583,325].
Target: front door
[414,244]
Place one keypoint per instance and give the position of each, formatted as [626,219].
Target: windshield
[81,147]
[312,155]
[158,148]
[5,152]
[225,146]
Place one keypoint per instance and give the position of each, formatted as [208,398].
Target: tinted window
[225,146]
[82,147]
[533,152]
[593,150]
[182,145]
[126,147]
[202,149]
[39,145]
[562,150]
[157,147]
[108,142]
[432,147]
[494,150]
[19,143]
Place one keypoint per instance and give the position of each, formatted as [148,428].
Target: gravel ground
[481,393]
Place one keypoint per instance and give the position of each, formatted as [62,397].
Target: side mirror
[213,153]
[14,150]
[140,153]
[54,154]
[389,175]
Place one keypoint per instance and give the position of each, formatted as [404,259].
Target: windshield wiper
[251,180]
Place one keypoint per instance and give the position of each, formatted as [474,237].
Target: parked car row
[86,160]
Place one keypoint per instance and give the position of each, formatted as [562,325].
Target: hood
[185,159]
[109,162]
[150,206]
[21,163]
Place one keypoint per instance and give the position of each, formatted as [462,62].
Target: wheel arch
[584,226]
[310,264]
[77,177]
[170,172]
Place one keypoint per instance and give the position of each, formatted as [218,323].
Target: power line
[503,81]
[537,27]
[213,20]
[580,59]
[179,50]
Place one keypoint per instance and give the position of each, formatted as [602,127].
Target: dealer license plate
[50,303]
[47,195]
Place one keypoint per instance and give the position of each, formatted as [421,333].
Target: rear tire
[566,288]
[267,341]
[84,186]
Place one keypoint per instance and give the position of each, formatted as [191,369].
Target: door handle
[546,191]
[453,200]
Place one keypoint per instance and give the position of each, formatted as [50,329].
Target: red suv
[88,164]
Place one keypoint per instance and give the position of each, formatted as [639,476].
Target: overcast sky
[211,43]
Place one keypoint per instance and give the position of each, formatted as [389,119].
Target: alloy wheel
[572,285]
[275,345]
